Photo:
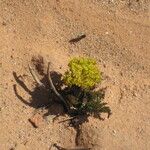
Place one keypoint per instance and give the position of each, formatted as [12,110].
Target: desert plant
[79,96]
[81,78]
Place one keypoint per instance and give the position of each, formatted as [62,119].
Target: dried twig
[54,89]
[35,77]
[77,148]
[77,39]
[69,119]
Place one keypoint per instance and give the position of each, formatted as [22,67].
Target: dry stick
[77,148]
[54,89]
[35,77]
[69,119]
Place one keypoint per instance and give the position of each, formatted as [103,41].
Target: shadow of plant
[41,97]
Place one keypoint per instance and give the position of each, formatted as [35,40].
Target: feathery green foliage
[94,103]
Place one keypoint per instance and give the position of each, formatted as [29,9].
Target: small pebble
[4,23]
[50,118]
[36,120]
[114,132]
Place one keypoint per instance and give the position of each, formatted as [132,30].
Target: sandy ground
[117,36]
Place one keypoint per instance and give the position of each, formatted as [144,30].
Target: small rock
[104,116]
[114,132]
[4,23]
[37,120]
[134,93]
[50,118]
[104,65]
[121,73]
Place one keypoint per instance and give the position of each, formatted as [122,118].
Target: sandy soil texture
[117,36]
